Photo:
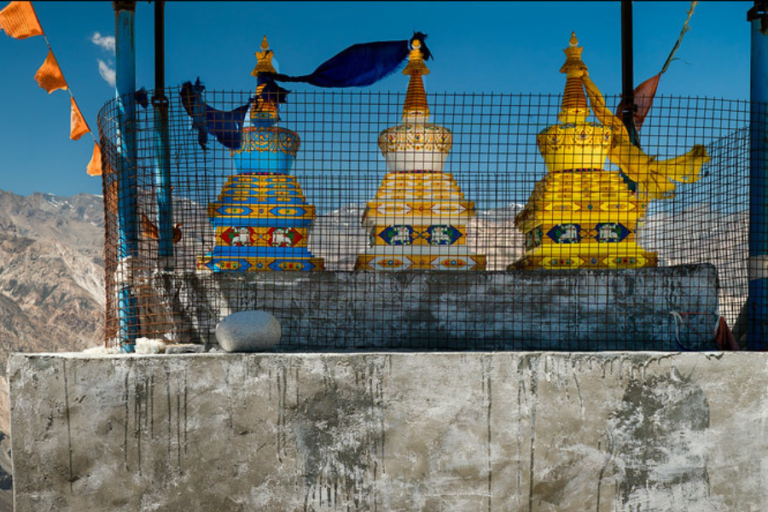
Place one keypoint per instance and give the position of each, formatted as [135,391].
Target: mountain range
[51,273]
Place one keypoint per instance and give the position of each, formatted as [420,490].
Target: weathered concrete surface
[391,432]
[546,310]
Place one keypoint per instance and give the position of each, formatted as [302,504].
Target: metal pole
[125,86]
[757,302]
[162,154]
[627,71]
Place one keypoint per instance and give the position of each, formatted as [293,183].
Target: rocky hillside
[51,273]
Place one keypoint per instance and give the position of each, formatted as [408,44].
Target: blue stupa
[261,216]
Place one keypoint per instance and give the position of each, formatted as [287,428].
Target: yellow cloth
[19,20]
[77,125]
[655,178]
[49,76]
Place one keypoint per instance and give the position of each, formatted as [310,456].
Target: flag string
[69,87]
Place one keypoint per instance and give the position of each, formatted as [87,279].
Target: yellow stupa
[419,217]
[580,215]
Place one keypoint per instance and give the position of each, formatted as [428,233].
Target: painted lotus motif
[416,137]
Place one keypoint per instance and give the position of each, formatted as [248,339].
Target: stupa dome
[417,143]
[266,146]
[574,143]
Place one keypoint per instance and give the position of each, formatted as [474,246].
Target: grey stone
[248,331]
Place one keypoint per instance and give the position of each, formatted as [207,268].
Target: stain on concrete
[339,433]
[659,442]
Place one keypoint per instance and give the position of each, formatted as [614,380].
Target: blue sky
[478,46]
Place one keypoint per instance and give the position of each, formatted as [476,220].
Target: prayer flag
[77,125]
[19,20]
[94,166]
[226,126]
[49,75]
[643,94]
[654,178]
[360,64]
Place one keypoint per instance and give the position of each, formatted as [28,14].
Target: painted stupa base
[583,218]
[262,222]
[591,256]
[418,221]
[399,261]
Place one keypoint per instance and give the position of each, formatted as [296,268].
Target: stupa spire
[574,106]
[264,106]
[415,104]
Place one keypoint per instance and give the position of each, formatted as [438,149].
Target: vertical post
[627,71]
[757,302]
[126,191]
[162,155]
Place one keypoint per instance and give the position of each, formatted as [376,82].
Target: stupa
[419,217]
[580,215]
[261,216]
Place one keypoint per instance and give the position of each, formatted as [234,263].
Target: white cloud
[107,73]
[104,42]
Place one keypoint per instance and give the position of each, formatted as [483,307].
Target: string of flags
[19,21]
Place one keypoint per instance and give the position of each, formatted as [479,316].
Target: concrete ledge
[545,310]
[390,432]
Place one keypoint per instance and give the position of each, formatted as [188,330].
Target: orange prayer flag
[94,166]
[19,20]
[49,75]
[77,125]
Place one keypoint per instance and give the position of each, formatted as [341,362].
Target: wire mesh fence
[245,232]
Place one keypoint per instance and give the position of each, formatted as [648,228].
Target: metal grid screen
[495,163]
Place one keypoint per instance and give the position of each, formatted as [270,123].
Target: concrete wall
[573,310]
[629,432]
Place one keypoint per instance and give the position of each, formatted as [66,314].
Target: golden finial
[264,59]
[416,61]
[573,63]
[574,100]
[416,98]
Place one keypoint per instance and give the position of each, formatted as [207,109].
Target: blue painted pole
[757,338]
[162,154]
[125,86]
